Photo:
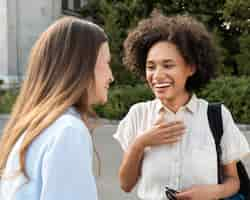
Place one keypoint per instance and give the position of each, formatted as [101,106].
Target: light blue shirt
[59,164]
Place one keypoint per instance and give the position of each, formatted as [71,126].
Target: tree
[237,14]
[243,57]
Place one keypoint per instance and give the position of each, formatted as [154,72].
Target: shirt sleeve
[233,143]
[127,129]
[67,167]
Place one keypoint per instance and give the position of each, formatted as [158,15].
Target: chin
[99,101]
[103,100]
[163,96]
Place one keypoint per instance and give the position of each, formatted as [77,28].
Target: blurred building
[21,22]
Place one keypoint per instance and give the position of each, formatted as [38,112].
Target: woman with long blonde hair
[46,147]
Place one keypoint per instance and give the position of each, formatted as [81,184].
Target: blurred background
[22,21]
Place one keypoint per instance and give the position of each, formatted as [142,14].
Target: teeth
[160,85]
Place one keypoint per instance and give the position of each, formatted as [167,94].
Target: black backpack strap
[216,125]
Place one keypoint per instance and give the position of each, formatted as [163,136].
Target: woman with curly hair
[167,141]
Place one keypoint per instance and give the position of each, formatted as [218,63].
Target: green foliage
[121,98]
[237,13]
[243,57]
[116,17]
[7,100]
[233,92]
[227,19]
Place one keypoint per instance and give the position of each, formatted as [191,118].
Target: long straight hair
[59,74]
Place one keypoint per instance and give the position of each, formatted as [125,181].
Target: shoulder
[225,112]
[67,121]
[67,129]
[202,103]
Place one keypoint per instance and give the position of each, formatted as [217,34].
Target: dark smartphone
[170,193]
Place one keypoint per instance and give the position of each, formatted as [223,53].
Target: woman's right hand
[162,132]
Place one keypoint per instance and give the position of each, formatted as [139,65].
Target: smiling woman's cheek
[103,75]
[167,78]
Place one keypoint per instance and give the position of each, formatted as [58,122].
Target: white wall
[12,37]
[3,37]
[34,16]
[21,22]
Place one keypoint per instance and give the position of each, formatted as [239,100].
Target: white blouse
[58,163]
[189,162]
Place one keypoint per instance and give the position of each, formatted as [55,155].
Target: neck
[175,104]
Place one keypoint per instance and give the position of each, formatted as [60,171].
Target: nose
[158,74]
[111,78]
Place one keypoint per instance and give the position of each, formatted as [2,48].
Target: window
[72,7]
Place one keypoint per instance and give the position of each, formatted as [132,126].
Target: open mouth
[162,85]
[106,86]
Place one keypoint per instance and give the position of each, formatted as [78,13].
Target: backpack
[216,126]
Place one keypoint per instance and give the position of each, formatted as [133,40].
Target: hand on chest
[192,158]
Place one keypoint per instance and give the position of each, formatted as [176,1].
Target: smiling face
[103,76]
[167,72]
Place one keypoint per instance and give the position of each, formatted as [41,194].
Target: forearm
[229,187]
[130,169]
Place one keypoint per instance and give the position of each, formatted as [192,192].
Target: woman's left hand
[198,192]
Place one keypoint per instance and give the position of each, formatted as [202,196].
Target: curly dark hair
[190,36]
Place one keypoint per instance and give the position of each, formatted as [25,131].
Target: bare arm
[231,183]
[130,168]
[229,187]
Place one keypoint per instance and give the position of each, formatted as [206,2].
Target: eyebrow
[162,61]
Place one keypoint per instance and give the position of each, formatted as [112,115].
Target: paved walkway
[111,155]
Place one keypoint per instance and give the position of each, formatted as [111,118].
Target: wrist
[140,143]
